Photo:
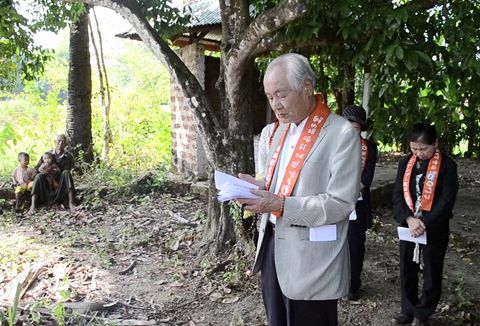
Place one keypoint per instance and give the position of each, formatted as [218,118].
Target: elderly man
[311,186]
[42,193]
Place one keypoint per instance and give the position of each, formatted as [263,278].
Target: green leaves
[166,19]
[23,59]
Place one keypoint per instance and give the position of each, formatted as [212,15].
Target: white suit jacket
[325,193]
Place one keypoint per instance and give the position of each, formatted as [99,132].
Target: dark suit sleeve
[400,208]
[445,196]
[367,175]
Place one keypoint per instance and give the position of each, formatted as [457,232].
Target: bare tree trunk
[104,87]
[235,86]
[79,110]
[345,93]
[367,82]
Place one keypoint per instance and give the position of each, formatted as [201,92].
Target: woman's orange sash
[429,184]
[310,132]
[364,153]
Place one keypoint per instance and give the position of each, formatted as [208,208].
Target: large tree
[229,145]
[79,109]
[345,35]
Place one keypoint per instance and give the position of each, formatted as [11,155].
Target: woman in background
[361,217]
[423,198]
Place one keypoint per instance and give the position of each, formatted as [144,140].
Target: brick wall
[187,148]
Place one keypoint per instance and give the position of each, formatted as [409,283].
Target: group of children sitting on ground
[23,176]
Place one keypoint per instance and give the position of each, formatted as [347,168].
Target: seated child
[50,169]
[22,178]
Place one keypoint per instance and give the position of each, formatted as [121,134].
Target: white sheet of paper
[323,233]
[353,216]
[221,178]
[404,234]
[230,187]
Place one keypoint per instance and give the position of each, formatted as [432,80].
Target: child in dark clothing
[51,170]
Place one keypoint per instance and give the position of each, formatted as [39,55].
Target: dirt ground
[134,260]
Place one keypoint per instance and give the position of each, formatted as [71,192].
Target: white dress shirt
[293,135]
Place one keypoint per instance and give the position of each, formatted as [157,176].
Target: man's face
[289,105]
[60,143]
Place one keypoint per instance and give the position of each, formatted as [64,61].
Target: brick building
[198,48]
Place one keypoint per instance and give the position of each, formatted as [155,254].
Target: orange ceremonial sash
[310,132]
[363,142]
[275,127]
[429,184]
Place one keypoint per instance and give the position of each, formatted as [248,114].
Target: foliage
[165,18]
[140,105]
[11,317]
[20,58]
[12,311]
[235,271]
[424,59]
[463,301]
[431,75]
[29,124]
[140,118]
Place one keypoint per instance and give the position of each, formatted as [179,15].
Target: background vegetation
[33,113]
[423,66]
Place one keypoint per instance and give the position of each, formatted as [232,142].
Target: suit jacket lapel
[320,137]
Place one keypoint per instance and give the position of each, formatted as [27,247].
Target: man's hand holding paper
[230,187]
[264,201]
[250,179]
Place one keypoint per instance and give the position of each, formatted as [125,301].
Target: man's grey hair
[63,136]
[297,67]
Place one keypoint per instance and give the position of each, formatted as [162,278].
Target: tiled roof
[205,17]
[204,12]
[207,12]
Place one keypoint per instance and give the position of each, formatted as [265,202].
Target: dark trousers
[433,256]
[45,195]
[356,244]
[282,311]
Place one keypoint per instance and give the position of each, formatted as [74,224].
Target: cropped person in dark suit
[423,198]
[361,217]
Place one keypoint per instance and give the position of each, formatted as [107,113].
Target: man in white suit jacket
[311,186]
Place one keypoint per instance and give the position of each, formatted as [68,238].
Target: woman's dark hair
[423,132]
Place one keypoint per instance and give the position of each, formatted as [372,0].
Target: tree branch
[269,22]
[327,36]
[279,42]
[207,121]
[241,45]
